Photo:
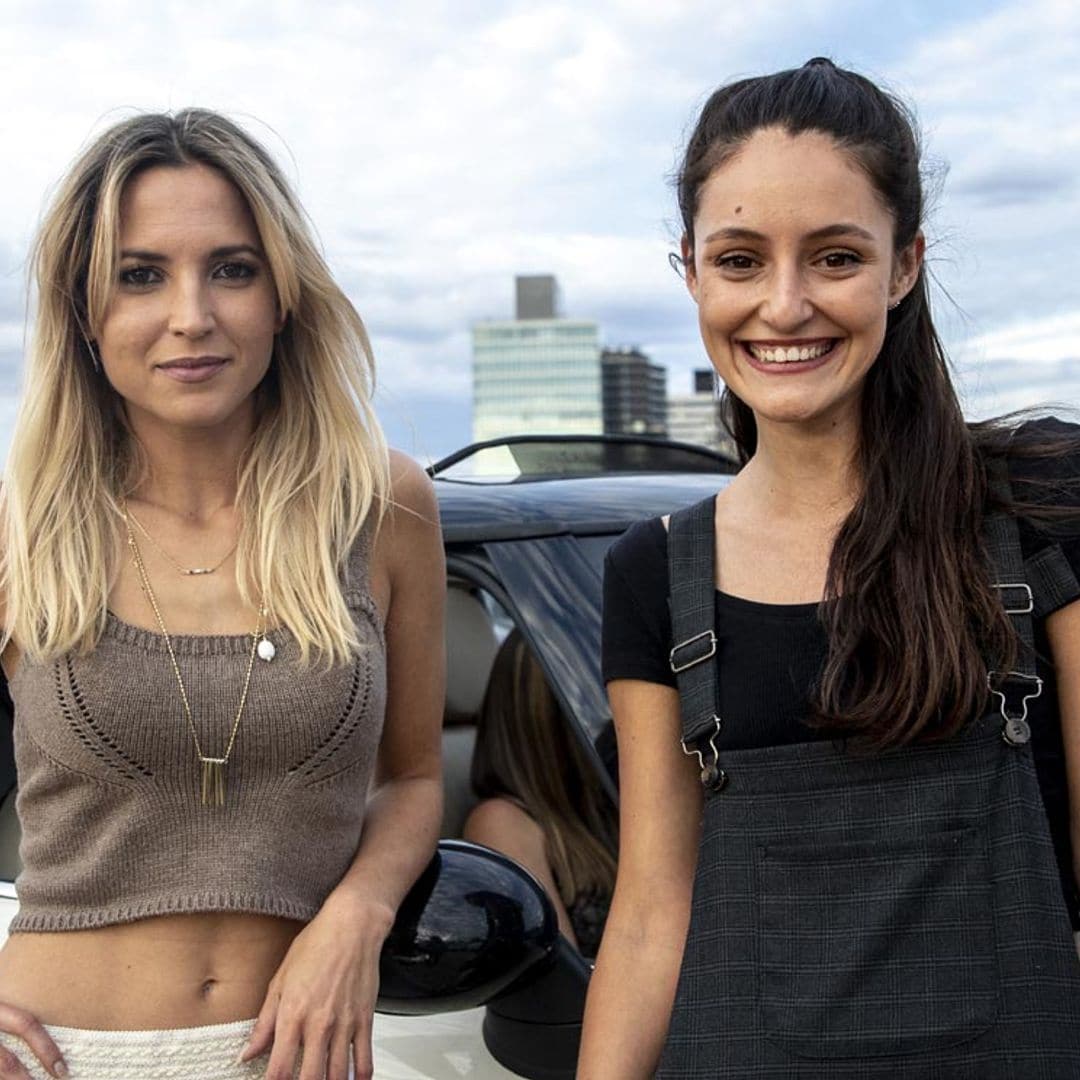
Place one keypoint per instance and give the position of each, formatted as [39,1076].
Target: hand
[322,998]
[18,1022]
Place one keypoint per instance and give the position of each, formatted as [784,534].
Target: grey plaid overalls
[863,917]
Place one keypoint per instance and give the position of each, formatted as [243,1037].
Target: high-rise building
[537,373]
[695,418]
[634,393]
[536,296]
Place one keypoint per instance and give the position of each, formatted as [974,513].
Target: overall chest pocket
[877,947]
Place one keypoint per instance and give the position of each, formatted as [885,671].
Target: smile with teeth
[778,354]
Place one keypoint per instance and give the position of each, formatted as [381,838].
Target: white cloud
[1022,364]
[443,146]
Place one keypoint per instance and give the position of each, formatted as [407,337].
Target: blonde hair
[316,466]
[526,750]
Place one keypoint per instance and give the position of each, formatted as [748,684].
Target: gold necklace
[194,571]
[213,768]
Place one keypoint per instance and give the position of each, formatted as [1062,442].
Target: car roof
[474,512]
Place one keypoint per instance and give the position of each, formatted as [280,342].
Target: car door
[551,586]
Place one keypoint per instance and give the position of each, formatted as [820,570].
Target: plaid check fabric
[862,917]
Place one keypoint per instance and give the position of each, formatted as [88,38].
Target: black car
[526,523]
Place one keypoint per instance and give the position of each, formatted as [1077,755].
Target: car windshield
[531,458]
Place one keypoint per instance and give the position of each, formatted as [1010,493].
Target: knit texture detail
[208,1053]
[113,829]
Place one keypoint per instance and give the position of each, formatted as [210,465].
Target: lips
[190,369]
[776,353]
[789,358]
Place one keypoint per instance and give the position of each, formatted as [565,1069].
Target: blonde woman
[223,632]
[542,804]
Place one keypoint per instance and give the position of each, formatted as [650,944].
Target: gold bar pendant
[213,781]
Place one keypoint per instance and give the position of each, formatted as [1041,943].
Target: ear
[689,269]
[906,267]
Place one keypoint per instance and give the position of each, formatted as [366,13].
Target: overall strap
[1001,539]
[692,584]
[1053,581]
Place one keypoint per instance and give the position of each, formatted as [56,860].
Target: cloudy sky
[441,146]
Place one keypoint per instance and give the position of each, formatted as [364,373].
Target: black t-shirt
[769,656]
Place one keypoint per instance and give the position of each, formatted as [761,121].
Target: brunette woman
[541,801]
[839,832]
[223,632]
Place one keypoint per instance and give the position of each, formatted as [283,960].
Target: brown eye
[139,276]
[840,260]
[737,262]
[234,271]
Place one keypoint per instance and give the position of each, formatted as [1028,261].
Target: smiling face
[189,328]
[793,271]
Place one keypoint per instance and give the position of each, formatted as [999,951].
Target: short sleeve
[636,636]
[1050,480]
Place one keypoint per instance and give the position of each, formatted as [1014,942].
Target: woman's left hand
[321,999]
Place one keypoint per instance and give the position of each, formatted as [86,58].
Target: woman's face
[190,324]
[793,271]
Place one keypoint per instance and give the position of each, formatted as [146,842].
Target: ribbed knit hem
[44,919]
[206,1053]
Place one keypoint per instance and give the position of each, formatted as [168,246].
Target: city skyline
[442,149]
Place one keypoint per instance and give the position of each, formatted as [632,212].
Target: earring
[895,304]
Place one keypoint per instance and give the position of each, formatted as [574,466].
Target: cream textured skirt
[202,1053]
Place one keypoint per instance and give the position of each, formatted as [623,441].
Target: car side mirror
[473,924]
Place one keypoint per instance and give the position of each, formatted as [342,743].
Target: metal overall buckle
[1020,602]
[1016,730]
[713,778]
[701,647]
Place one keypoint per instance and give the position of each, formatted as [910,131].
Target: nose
[191,313]
[786,304]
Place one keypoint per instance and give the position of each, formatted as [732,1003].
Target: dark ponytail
[912,616]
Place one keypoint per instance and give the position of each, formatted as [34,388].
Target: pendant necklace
[212,768]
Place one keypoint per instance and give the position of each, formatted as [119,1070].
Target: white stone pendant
[266,650]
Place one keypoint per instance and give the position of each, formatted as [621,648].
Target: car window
[594,548]
[553,593]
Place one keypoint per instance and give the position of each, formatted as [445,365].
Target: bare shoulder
[498,811]
[411,509]
[493,821]
[411,489]
[408,545]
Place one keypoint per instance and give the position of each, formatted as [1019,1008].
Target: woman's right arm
[633,986]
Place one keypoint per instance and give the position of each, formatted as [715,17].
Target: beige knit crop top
[112,825]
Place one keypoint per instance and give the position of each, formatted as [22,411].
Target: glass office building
[538,374]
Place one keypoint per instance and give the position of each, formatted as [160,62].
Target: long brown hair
[526,751]
[911,614]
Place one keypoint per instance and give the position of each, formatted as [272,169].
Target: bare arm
[323,995]
[633,987]
[1063,631]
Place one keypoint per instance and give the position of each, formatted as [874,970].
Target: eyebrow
[829,232]
[218,253]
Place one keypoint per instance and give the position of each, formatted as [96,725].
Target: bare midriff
[171,971]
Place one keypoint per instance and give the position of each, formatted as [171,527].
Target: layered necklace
[194,571]
[212,768]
